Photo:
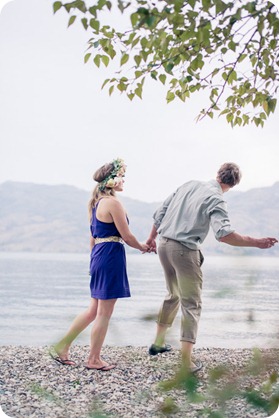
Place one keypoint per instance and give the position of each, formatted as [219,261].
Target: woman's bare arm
[120,219]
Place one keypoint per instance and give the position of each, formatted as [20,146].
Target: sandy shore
[33,385]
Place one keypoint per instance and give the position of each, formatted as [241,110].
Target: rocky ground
[35,386]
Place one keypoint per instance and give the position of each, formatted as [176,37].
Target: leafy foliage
[228,48]
[224,385]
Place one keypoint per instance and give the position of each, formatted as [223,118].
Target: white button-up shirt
[188,213]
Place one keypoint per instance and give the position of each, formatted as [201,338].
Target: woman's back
[100,228]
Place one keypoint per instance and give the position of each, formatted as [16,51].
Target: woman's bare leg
[78,325]
[99,331]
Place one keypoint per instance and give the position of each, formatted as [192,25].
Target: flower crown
[112,180]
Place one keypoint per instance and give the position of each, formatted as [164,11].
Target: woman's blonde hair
[97,194]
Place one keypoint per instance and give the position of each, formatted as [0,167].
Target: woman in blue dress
[109,281]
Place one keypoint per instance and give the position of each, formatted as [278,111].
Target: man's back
[186,215]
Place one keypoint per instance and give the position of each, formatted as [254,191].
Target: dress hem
[110,297]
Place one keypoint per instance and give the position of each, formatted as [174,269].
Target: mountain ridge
[53,218]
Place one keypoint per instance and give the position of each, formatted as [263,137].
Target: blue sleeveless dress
[108,269]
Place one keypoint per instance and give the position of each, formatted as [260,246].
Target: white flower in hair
[115,176]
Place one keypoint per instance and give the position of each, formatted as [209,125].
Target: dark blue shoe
[156,349]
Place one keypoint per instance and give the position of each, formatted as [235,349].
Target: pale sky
[57,126]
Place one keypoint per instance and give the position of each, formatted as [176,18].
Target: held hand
[152,244]
[266,242]
[145,248]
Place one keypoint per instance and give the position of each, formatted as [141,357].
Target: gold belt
[109,239]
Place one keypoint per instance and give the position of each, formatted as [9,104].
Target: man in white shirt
[183,222]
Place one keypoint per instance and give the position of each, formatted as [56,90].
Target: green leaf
[137,59]
[261,25]
[131,96]
[135,41]
[71,20]
[93,10]
[86,57]
[105,82]
[101,4]
[150,20]
[111,52]
[224,112]
[229,117]
[246,119]
[162,78]
[224,76]
[192,3]
[232,45]
[220,6]
[138,91]
[143,11]
[272,105]
[68,7]
[130,39]
[215,72]
[105,60]
[81,6]
[111,90]
[170,96]
[121,87]
[144,42]
[265,107]
[251,7]
[121,6]
[56,6]
[124,59]
[84,23]
[138,74]
[134,19]
[242,57]
[195,64]
[95,24]
[273,43]
[169,67]
[214,92]
[238,121]
[97,60]
[232,77]
[206,4]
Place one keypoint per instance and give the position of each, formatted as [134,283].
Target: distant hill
[42,218]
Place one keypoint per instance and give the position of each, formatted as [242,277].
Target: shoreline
[35,386]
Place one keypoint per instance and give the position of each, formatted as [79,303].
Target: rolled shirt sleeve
[219,220]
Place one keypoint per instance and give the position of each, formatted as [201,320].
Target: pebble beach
[33,385]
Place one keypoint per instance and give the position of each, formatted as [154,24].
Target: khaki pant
[184,284]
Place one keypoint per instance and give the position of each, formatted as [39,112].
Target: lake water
[40,294]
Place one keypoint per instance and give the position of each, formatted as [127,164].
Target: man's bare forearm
[238,240]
